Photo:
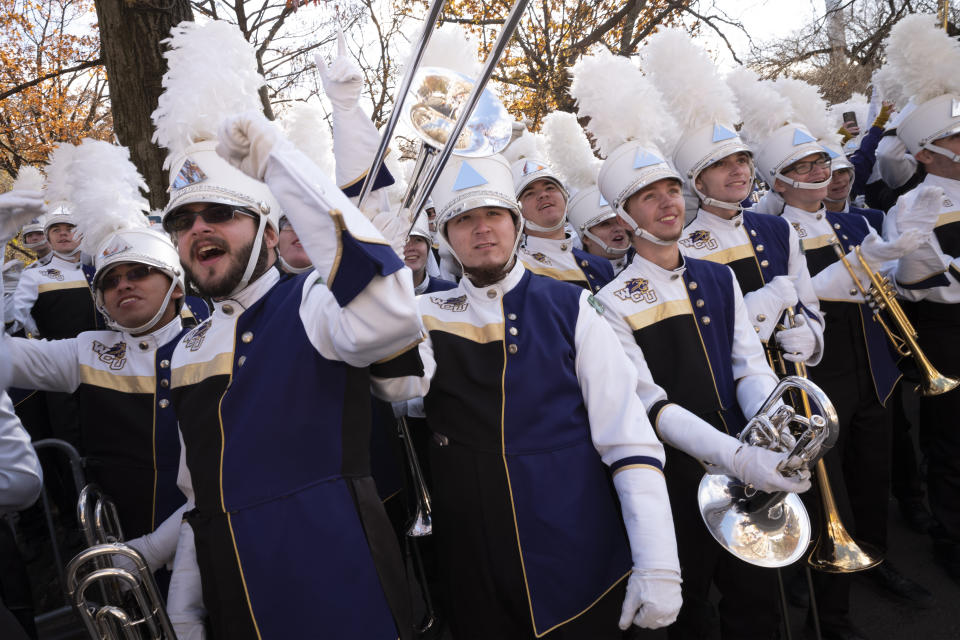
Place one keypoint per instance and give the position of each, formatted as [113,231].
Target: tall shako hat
[469,183]
[111,214]
[630,126]
[211,74]
[575,163]
[772,126]
[58,193]
[700,101]
[30,179]
[926,60]
[530,162]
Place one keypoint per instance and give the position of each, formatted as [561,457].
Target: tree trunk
[130,35]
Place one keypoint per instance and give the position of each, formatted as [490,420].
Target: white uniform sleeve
[358,306]
[22,303]
[925,262]
[46,365]
[21,477]
[609,382]
[755,379]
[806,294]
[895,164]
[407,387]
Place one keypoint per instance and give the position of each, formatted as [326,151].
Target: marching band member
[509,477]
[547,248]
[857,371]
[416,253]
[305,551]
[931,133]
[667,309]
[763,251]
[121,376]
[587,212]
[841,183]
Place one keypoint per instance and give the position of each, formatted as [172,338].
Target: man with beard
[240,421]
[532,409]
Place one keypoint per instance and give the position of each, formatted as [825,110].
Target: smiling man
[530,537]
[546,248]
[416,253]
[600,233]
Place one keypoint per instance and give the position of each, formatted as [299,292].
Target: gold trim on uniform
[819,242]
[565,275]
[637,466]
[730,255]
[412,345]
[661,312]
[947,218]
[196,372]
[487,333]
[124,384]
[56,286]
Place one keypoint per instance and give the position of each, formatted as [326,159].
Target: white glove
[653,599]
[185,595]
[159,547]
[766,304]
[876,251]
[799,343]
[17,208]
[246,141]
[758,467]
[653,589]
[922,216]
[342,79]
[684,430]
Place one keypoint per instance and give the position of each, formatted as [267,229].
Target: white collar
[548,245]
[251,293]
[640,266]
[802,213]
[497,290]
[948,185]
[63,264]
[420,288]
[713,220]
[158,337]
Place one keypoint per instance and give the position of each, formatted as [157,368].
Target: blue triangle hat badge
[721,133]
[190,173]
[603,201]
[468,177]
[830,152]
[645,159]
[532,167]
[800,137]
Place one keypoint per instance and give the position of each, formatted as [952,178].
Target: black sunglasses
[133,274]
[217,214]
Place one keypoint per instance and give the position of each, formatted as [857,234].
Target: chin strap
[513,254]
[533,226]
[67,256]
[796,184]
[603,245]
[929,146]
[254,257]
[286,266]
[713,202]
[34,245]
[642,233]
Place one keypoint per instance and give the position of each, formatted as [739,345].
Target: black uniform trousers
[748,604]
[938,326]
[858,465]
[483,591]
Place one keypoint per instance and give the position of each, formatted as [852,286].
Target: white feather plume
[890,86]
[29,178]
[105,192]
[923,57]
[211,74]
[309,132]
[569,151]
[809,107]
[621,102]
[453,48]
[528,145]
[762,109]
[686,77]
[58,175]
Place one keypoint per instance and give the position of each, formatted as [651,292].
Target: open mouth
[209,253]
[125,302]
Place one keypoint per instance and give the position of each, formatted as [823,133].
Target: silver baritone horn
[771,529]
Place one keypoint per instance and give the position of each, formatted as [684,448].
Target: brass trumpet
[881,296]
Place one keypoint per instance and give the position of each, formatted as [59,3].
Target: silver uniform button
[241,360]
[512,348]
[692,286]
[705,319]
[491,293]
[737,223]
[164,364]
[836,226]
[819,216]
[164,403]
[144,346]
[164,383]
[753,232]
[563,247]
[511,316]
[247,336]
[760,248]
[227,309]
[700,303]
[845,237]
[761,317]
[513,331]
[764,263]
